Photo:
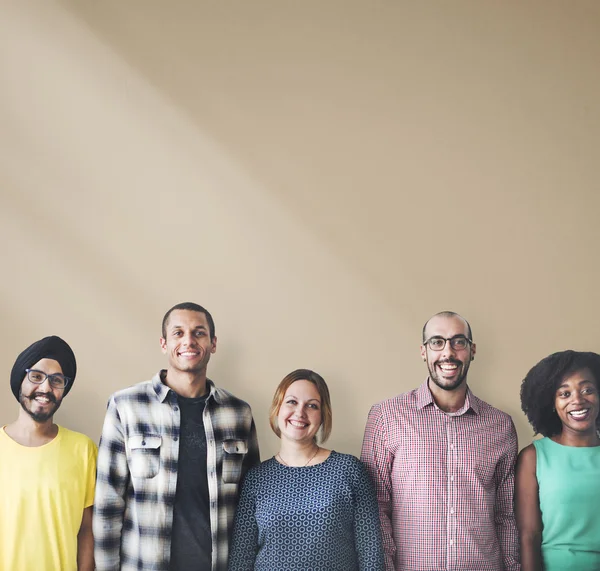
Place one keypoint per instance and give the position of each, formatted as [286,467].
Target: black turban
[52,347]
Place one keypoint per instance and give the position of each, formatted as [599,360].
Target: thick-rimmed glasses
[57,381]
[458,342]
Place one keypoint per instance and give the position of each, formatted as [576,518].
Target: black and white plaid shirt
[137,474]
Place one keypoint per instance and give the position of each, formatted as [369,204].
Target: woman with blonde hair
[307,508]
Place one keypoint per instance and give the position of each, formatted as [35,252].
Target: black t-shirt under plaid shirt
[190,540]
[138,465]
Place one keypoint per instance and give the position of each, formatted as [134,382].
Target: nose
[577,397]
[49,387]
[299,411]
[188,339]
[447,351]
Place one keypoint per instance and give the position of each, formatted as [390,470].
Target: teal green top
[569,484]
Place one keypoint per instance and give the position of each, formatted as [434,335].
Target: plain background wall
[322,176]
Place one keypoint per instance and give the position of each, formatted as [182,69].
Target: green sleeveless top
[569,490]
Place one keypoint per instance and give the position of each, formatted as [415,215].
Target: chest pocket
[144,455]
[234,452]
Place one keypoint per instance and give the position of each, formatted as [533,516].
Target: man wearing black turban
[47,472]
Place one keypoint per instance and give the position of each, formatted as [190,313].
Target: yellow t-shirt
[43,492]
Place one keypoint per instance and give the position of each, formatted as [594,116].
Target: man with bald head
[47,473]
[442,461]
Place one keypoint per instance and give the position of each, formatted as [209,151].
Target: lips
[448,367]
[188,354]
[42,399]
[581,414]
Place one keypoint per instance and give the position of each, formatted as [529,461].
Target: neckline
[24,447]
[567,447]
[192,400]
[331,453]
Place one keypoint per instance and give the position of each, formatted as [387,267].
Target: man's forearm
[85,543]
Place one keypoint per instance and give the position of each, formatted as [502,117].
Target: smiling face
[448,368]
[299,417]
[576,402]
[40,402]
[188,345]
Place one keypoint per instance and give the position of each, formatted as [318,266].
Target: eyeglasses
[458,342]
[57,381]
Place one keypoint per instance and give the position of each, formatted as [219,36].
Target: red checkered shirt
[444,483]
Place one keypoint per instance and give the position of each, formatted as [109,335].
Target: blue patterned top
[317,518]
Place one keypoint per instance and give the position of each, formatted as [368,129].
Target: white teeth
[448,367]
[298,424]
[578,413]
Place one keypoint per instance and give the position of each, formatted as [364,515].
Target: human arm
[378,462]
[252,458]
[85,536]
[85,542]
[111,489]
[367,528]
[504,515]
[527,508]
[244,540]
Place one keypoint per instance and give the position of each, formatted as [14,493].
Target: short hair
[538,389]
[319,382]
[189,306]
[448,314]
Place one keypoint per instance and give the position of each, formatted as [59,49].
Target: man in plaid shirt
[172,454]
[442,461]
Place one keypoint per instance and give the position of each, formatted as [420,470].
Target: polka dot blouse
[317,518]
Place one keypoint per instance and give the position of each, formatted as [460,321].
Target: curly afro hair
[538,389]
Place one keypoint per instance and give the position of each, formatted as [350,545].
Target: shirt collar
[162,391]
[424,398]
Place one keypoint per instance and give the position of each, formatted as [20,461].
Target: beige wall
[323,176]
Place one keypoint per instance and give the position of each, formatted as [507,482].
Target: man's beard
[448,385]
[39,416]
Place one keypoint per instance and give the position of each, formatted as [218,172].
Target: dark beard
[457,383]
[39,416]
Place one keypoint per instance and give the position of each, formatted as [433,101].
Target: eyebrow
[47,373]
[581,382]
[173,327]
[294,397]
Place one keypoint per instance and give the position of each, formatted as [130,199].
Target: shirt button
[143,443]
[175,408]
[451,510]
[176,439]
[452,478]
[451,446]
[452,542]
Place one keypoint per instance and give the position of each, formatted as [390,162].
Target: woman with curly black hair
[558,477]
